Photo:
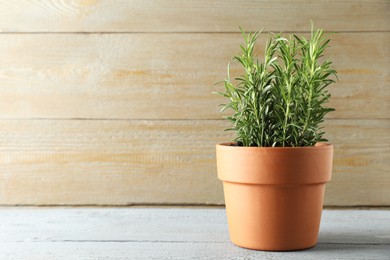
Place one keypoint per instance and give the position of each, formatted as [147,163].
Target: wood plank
[108,162]
[56,224]
[178,250]
[194,16]
[173,233]
[84,162]
[163,76]
[361,162]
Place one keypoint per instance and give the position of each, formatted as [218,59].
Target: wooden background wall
[109,102]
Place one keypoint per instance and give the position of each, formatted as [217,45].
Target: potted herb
[275,171]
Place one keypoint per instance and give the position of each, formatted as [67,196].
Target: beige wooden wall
[109,102]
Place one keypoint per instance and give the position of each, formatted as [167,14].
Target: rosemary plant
[279,101]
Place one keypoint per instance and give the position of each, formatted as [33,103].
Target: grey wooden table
[173,233]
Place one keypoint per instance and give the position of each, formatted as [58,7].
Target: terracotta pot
[274,196]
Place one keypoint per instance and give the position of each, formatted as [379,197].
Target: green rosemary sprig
[280,101]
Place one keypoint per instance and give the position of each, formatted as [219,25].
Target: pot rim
[274,165]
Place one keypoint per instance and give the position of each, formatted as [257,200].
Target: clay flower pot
[274,196]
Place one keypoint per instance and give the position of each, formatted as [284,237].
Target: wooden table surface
[173,233]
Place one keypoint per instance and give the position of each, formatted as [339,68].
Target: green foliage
[279,101]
